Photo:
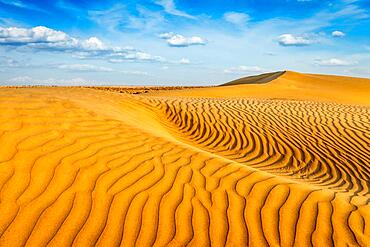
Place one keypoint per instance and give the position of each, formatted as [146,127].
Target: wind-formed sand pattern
[281,163]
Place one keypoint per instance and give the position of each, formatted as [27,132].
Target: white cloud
[27,80]
[244,70]
[184,61]
[84,68]
[178,40]
[140,56]
[93,43]
[295,40]
[338,34]
[93,68]
[237,18]
[120,57]
[334,62]
[170,8]
[77,81]
[132,72]
[40,34]
[43,38]
[166,35]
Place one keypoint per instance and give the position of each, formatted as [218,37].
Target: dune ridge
[83,167]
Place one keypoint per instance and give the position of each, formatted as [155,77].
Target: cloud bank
[45,39]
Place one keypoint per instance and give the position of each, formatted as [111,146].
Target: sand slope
[91,167]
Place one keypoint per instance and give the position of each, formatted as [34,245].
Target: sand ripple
[83,167]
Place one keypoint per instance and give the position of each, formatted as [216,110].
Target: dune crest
[206,166]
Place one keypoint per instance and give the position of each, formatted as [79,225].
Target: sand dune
[281,163]
[290,85]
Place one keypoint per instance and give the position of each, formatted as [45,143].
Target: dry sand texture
[280,163]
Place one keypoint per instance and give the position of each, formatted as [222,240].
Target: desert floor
[281,163]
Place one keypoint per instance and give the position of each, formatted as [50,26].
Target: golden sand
[276,164]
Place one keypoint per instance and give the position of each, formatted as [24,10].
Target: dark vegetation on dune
[256,79]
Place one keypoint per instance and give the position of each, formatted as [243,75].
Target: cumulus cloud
[43,38]
[244,70]
[178,40]
[40,34]
[295,40]
[93,43]
[237,18]
[334,62]
[338,34]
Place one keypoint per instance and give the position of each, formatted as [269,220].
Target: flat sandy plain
[282,161]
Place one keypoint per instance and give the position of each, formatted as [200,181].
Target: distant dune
[290,85]
[279,159]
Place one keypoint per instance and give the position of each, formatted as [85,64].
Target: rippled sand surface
[281,163]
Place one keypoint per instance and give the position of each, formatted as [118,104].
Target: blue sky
[178,42]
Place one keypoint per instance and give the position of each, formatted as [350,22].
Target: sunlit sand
[277,160]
